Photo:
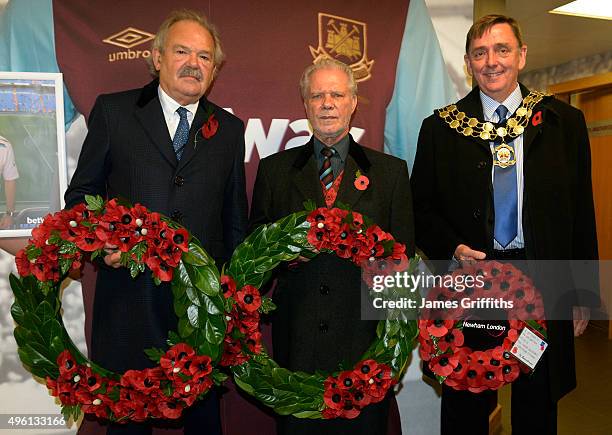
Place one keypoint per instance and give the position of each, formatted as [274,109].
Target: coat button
[179,181]
[476,213]
[323,327]
[176,216]
[481,165]
[324,289]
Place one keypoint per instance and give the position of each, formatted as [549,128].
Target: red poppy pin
[209,129]
[361,181]
[536,119]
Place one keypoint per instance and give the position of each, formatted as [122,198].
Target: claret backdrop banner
[102,47]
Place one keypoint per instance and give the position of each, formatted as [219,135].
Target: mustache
[188,71]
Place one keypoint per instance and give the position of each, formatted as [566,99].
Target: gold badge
[345,40]
[503,156]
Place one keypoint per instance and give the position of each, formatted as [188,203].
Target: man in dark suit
[519,193]
[318,323]
[148,145]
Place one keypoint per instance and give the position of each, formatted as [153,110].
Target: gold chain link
[466,126]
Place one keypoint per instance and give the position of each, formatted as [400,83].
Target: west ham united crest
[345,40]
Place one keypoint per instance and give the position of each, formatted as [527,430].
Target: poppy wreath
[441,335]
[344,393]
[184,372]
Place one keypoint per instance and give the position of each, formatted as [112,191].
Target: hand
[581,320]
[464,253]
[6,222]
[113,256]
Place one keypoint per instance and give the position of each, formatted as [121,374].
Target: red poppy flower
[209,129]
[200,366]
[347,380]
[362,182]
[510,371]
[333,398]
[536,119]
[443,365]
[452,340]
[254,342]
[439,327]
[228,286]
[174,360]
[159,268]
[88,241]
[349,410]
[492,377]
[366,369]
[376,233]
[145,381]
[359,398]
[248,298]
[473,375]
[171,409]
[23,264]
[90,380]
[67,364]
[318,238]
[356,219]
[249,324]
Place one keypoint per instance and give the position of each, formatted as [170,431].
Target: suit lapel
[531,131]
[306,175]
[356,160]
[150,115]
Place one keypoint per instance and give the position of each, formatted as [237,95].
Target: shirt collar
[341,147]
[169,106]
[512,102]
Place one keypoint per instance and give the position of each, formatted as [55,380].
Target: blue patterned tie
[505,196]
[182,133]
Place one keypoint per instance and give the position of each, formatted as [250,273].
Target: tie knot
[328,152]
[182,112]
[501,111]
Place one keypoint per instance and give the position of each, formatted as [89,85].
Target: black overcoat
[128,153]
[318,323]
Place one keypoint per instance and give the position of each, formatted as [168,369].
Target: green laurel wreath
[298,393]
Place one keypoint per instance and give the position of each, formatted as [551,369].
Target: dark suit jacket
[128,153]
[453,200]
[318,320]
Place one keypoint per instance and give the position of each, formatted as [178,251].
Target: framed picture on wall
[32,150]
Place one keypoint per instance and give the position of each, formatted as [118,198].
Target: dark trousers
[532,410]
[201,418]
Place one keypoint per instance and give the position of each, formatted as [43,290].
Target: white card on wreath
[529,348]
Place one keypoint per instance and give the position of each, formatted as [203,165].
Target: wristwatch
[9,213]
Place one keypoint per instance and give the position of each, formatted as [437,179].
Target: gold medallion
[503,155]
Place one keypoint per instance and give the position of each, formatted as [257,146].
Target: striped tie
[326,175]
